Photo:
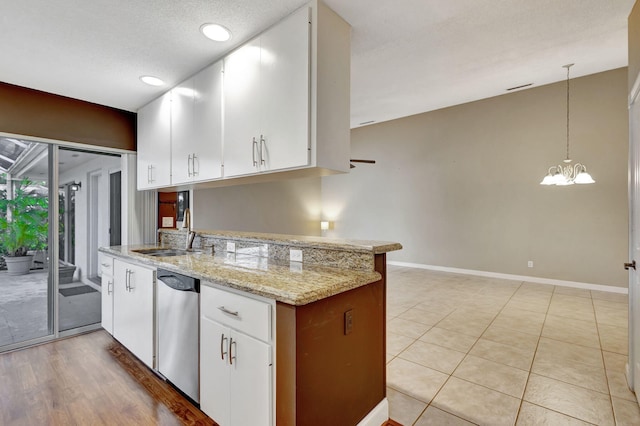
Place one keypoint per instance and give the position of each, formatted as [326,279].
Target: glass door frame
[53,176]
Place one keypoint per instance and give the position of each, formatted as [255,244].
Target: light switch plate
[231,247]
[295,255]
[167,222]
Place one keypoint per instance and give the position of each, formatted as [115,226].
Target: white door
[285,76]
[107,303]
[182,134]
[214,371]
[133,309]
[207,123]
[634,238]
[250,381]
[154,143]
[242,110]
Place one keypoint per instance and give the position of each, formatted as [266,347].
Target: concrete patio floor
[23,307]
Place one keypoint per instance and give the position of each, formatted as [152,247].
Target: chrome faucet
[186,224]
[190,237]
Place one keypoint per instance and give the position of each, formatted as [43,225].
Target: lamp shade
[559,179]
[584,177]
[548,180]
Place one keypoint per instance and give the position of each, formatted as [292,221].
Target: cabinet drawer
[106,265]
[250,316]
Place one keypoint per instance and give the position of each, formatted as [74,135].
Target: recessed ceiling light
[151,80]
[215,32]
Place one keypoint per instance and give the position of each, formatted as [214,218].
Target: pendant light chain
[568,158]
[567,174]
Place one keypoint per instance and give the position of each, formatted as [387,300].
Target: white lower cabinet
[236,370]
[133,313]
[106,267]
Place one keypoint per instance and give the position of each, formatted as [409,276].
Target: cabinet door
[107,302]
[154,144]
[133,309]
[250,381]
[182,131]
[214,372]
[207,127]
[285,76]
[242,110]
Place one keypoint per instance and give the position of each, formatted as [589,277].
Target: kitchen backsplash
[275,250]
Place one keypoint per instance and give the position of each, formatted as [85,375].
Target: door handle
[126,279]
[193,165]
[222,351]
[254,145]
[231,356]
[630,265]
[189,166]
[228,312]
[262,143]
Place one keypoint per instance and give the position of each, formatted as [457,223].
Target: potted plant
[23,225]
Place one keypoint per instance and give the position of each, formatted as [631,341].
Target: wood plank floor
[87,380]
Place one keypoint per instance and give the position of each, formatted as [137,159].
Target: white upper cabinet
[196,127]
[242,111]
[154,144]
[277,104]
[266,100]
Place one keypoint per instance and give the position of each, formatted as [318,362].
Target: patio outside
[23,306]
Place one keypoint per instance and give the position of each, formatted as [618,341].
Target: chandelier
[567,174]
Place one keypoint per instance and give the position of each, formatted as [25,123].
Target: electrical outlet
[231,247]
[295,255]
[348,322]
[530,264]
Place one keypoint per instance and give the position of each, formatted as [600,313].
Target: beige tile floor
[465,350]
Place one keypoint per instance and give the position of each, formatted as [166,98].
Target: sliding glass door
[84,204]
[54,215]
[26,308]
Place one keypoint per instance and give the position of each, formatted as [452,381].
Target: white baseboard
[378,416]
[563,283]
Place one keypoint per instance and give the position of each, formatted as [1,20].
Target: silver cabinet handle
[254,145]
[231,356]
[193,165]
[151,173]
[222,351]
[228,312]
[130,274]
[106,265]
[126,279]
[262,144]
[109,287]
[189,166]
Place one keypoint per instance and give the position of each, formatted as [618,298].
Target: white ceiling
[408,56]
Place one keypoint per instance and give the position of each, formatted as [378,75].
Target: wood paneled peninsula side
[330,314]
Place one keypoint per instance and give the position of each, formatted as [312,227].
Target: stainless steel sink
[163,252]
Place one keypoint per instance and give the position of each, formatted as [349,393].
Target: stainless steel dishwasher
[178,314]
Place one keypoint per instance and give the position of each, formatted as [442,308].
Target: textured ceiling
[408,56]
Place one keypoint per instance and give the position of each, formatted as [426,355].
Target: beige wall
[459,187]
[634,43]
[287,207]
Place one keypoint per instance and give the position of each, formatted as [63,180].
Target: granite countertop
[294,284]
[359,246]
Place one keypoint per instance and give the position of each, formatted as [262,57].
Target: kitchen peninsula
[325,327]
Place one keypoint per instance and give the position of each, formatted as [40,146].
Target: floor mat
[74,291]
